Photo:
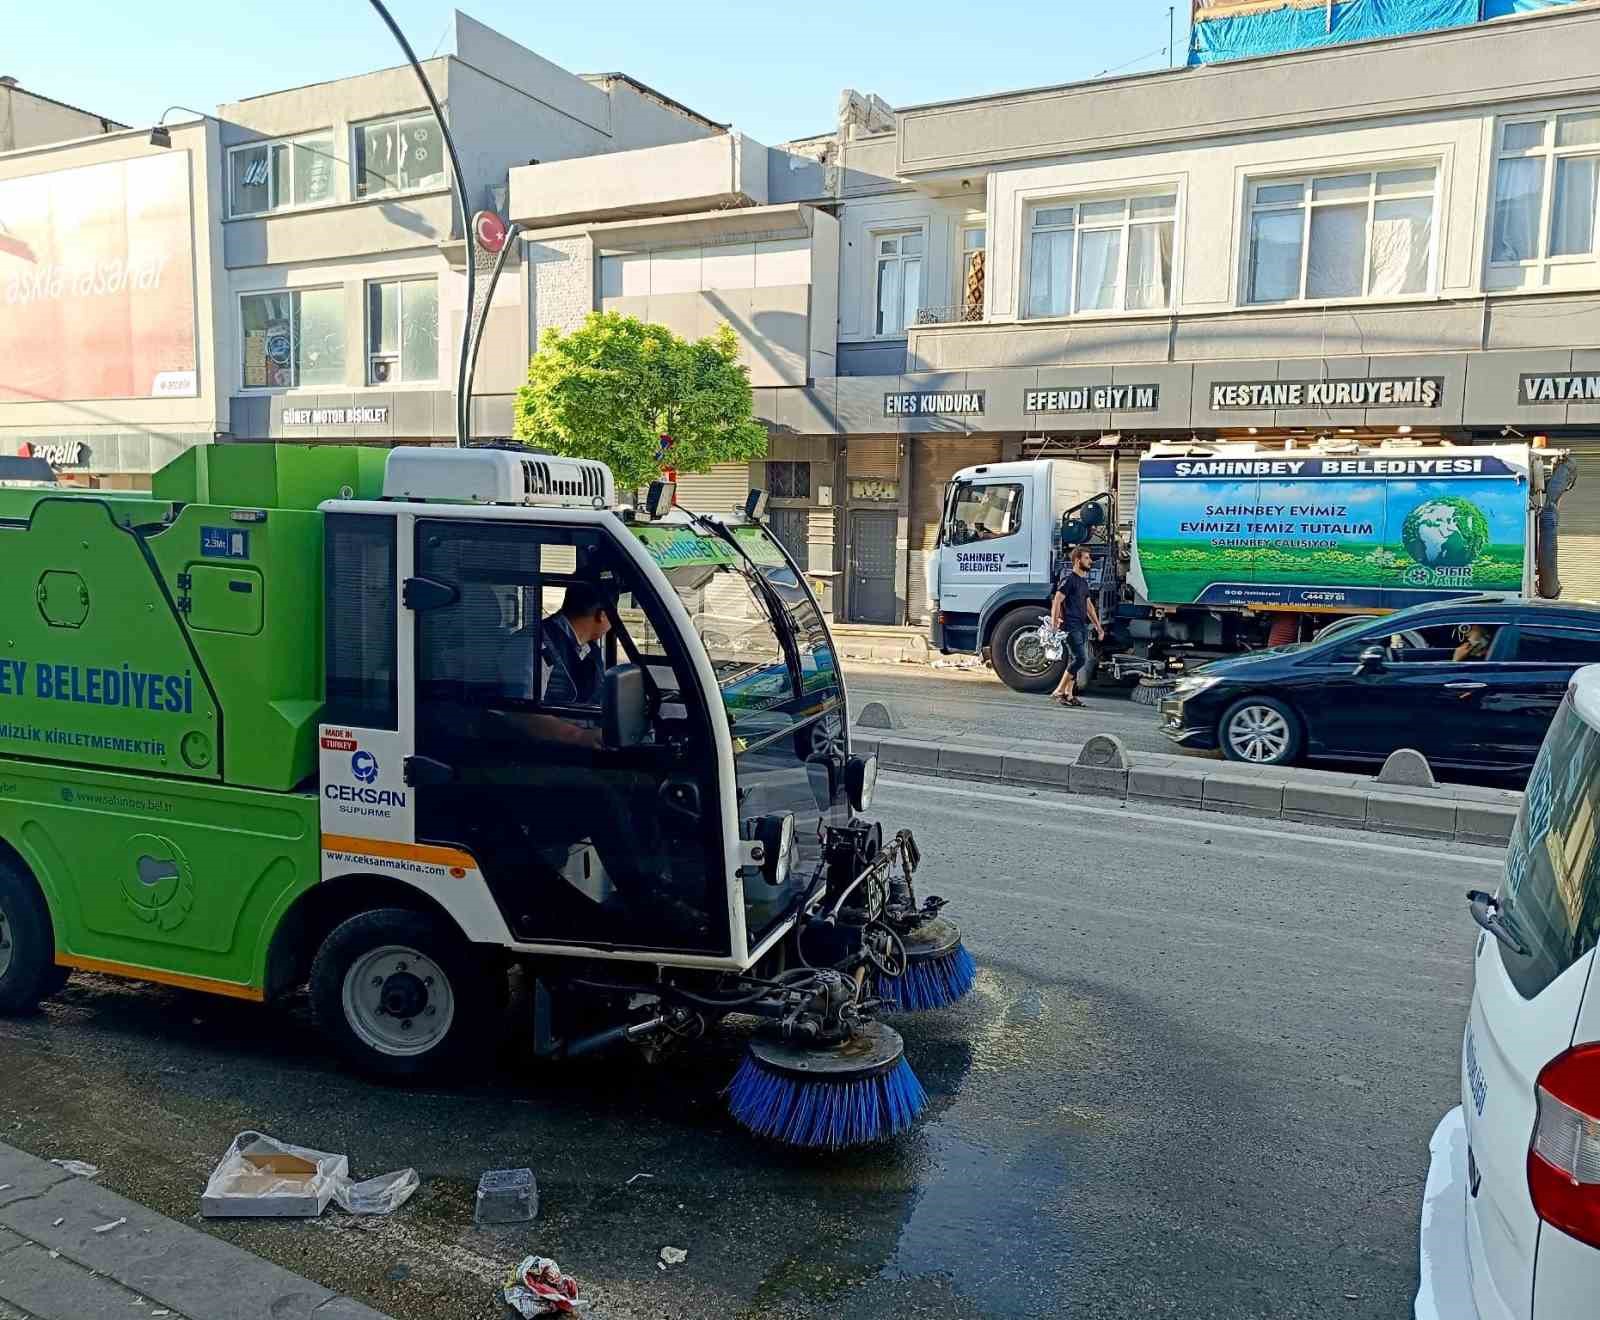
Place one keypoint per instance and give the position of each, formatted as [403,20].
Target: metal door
[872,566]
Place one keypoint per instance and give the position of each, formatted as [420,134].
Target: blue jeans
[1077,645]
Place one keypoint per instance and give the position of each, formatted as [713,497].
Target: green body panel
[272,476]
[261,647]
[176,876]
[95,667]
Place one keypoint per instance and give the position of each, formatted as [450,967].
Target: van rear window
[1551,896]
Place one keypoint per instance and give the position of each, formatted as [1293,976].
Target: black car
[1470,683]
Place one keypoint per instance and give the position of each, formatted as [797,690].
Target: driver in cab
[567,668]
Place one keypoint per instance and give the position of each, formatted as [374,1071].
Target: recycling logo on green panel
[1445,532]
[157,884]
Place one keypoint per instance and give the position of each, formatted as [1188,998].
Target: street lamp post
[463,360]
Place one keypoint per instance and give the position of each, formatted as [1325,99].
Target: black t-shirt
[1075,608]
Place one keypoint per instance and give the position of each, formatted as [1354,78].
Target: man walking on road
[1072,609]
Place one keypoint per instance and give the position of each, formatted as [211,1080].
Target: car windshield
[735,621]
[1551,895]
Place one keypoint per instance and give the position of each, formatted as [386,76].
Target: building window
[970,296]
[402,331]
[789,480]
[291,339]
[899,280]
[399,155]
[1544,189]
[1359,235]
[1103,255]
[273,176]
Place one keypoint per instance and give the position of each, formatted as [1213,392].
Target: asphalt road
[962,703]
[1196,1079]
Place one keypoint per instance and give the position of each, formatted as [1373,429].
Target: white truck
[1235,546]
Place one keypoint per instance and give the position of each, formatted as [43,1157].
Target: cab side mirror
[624,718]
[1372,660]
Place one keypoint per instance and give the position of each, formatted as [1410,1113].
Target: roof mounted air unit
[497,476]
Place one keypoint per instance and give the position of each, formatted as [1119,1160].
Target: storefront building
[290,269]
[1388,239]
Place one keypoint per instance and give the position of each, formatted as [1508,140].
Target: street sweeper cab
[605,745]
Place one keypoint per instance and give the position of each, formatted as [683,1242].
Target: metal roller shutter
[1578,541]
[934,460]
[873,456]
[1127,489]
[721,489]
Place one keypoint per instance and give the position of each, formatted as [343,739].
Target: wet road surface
[1196,1079]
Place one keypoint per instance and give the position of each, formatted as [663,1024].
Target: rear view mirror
[623,716]
[1372,660]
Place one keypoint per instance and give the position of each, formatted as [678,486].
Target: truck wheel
[1261,731]
[1017,656]
[399,994]
[27,948]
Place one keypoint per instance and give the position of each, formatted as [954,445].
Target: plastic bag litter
[377,1196]
[538,1287]
[261,1176]
[1052,640]
[78,1167]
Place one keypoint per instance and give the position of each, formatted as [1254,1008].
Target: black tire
[1260,731]
[421,949]
[27,944]
[1014,671]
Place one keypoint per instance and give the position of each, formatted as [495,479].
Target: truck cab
[993,570]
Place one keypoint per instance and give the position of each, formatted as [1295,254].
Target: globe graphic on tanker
[1445,532]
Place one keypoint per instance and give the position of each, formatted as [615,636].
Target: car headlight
[1189,687]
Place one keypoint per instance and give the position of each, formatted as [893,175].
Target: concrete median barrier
[1465,813]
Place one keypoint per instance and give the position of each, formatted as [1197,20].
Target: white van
[1511,1214]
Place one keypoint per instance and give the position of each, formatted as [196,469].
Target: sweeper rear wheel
[854,1093]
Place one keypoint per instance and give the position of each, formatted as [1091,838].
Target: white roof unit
[497,476]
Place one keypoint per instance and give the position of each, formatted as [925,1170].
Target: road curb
[84,1252]
[1467,815]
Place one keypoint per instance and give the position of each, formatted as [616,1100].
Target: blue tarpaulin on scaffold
[1300,27]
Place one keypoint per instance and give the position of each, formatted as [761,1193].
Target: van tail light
[1564,1157]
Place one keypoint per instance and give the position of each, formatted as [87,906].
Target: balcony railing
[955,314]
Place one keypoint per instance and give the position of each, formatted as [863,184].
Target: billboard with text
[97,297]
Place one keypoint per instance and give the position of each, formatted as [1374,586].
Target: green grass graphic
[1179,570]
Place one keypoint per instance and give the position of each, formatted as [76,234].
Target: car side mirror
[624,718]
[1372,660]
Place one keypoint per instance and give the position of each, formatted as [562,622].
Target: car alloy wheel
[1259,734]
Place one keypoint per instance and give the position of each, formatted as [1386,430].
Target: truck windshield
[732,616]
[983,511]
[1551,895]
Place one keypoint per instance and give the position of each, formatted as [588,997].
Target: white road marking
[1212,822]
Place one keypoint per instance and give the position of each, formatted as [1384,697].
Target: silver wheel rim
[5,943]
[1258,733]
[398,1001]
[1027,656]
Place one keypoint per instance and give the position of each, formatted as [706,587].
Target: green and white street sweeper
[392,723]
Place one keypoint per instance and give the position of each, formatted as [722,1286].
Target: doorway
[872,563]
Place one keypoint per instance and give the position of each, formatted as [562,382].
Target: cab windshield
[747,616]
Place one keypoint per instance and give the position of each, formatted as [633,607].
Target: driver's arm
[552,728]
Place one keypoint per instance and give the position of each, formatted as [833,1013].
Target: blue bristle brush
[828,1098]
[939,970]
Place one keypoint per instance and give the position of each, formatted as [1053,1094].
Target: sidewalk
[59,1260]
[883,644]
[1451,811]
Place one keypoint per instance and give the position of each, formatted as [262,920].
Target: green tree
[613,387]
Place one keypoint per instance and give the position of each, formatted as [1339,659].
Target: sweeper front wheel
[939,970]
[854,1093]
[400,994]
